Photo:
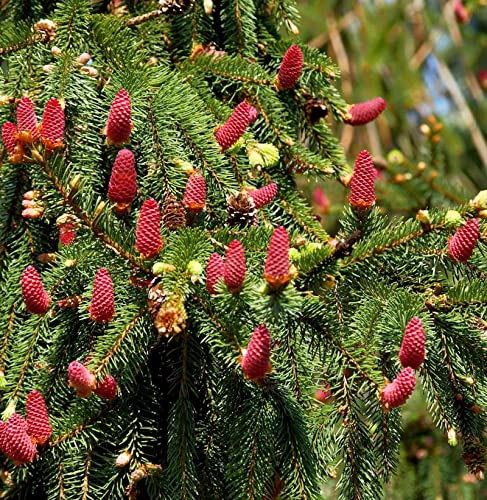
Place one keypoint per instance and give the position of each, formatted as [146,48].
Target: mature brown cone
[255,360]
[38,426]
[173,213]
[241,210]
[398,392]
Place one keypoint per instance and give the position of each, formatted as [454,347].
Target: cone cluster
[290,69]
[231,131]
[365,112]
[37,300]
[362,194]
[255,359]
[119,124]
[122,186]
[18,438]
[276,270]
[148,231]
[462,243]
[195,193]
[102,307]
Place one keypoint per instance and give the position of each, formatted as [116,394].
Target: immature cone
[321,201]
[107,389]
[462,243]
[365,112]
[9,139]
[231,131]
[241,210]
[290,69]
[36,299]
[81,379]
[18,445]
[362,195]
[412,348]
[38,426]
[195,192]
[322,395]
[396,393]
[102,307]
[276,271]
[122,186]
[234,268]
[171,317]
[173,213]
[255,361]
[52,128]
[119,125]
[27,122]
[214,272]
[461,13]
[148,232]
[264,195]
[68,225]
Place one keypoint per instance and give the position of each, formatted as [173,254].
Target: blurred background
[428,60]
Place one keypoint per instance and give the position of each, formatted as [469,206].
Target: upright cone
[234,270]
[107,389]
[412,351]
[9,139]
[148,232]
[81,379]
[36,299]
[122,186]
[276,271]
[119,125]
[214,272]
[264,195]
[362,193]
[255,360]
[290,69]
[102,307]
[365,112]
[462,243]
[195,193]
[52,128]
[28,131]
[38,426]
[17,443]
[231,131]
[397,393]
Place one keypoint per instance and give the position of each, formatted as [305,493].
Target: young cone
[396,393]
[231,131]
[255,360]
[28,131]
[119,124]
[276,270]
[36,299]
[17,443]
[107,389]
[214,271]
[412,348]
[365,112]
[195,193]
[81,379]
[462,243]
[234,269]
[38,426]
[362,195]
[148,232]
[461,13]
[52,127]
[67,229]
[102,307]
[122,186]
[3,442]
[9,139]
[264,195]
[290,69]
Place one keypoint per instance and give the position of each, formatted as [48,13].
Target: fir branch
[166,8]
[8,331]
[86,477]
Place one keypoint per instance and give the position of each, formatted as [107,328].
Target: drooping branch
[166,8]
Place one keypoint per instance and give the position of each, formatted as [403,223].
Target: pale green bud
[395,156]
[269,153]
[194,268]
[294,254]
[255,158]
[453,218]
[452,437]
[480,201]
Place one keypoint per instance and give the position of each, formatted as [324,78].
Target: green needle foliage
[186,423]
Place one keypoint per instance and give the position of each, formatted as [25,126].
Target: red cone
[102,307]
[36,299]
[229,133]
[276,271]
[9,139]
[107,389]
[291,67]
[253,114]
[122,187]
[81,379]
[214,272]
[264,195]
[412,348]
[195,192]
[38,426]
[362,195]
[27,122]
[323,395]
[18,445]
[119,125]
[67,232]
[255,361]
[397,393]
[52,128]
[148,232]
[462,243]
[3,442]
[234,269]
[461,13]
[365,112]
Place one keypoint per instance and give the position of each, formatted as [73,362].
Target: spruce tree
[176,321]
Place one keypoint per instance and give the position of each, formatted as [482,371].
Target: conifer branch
[166,8]
[11,318]
[61,480]
[118,342]
[86,477]
[42,37]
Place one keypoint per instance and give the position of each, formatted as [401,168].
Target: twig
[168,8]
